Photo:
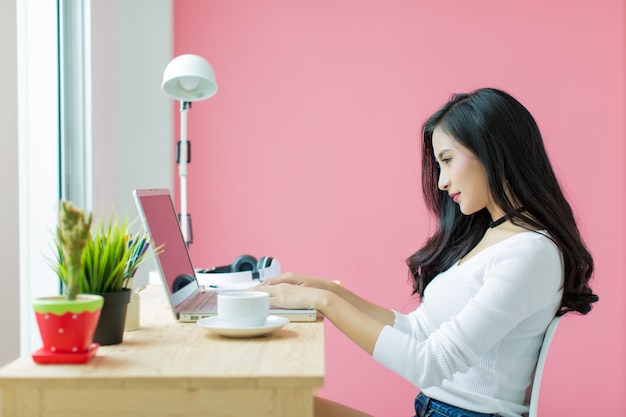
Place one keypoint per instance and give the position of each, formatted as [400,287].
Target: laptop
[188,300]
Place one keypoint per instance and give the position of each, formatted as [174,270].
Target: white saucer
[218,326]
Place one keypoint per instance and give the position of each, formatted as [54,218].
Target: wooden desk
[166,368]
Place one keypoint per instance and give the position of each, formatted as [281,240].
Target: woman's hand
[294,296]
[295,291]
[297,279]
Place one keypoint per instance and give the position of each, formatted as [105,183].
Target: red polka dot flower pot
[67,328]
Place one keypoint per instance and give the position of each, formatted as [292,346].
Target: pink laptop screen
[162,223]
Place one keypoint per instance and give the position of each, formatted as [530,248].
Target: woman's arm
[356,317]
[362,328]
[380,313]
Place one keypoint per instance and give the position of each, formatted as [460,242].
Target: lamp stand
[183,158]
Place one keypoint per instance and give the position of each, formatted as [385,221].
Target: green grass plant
[110,257]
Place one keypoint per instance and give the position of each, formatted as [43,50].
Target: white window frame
[75,102]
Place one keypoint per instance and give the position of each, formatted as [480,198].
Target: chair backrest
[543,355]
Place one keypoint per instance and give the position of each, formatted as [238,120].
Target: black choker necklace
[498,222]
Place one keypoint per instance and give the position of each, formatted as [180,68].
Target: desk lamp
[187,78]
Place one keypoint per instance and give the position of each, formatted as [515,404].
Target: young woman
[506,258]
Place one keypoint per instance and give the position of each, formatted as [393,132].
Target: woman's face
[462,175]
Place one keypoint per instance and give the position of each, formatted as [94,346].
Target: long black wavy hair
[504,136]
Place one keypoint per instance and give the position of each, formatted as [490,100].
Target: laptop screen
[161,222]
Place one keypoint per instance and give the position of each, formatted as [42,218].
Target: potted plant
[110,259]
[67,323]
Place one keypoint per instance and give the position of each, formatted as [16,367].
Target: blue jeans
[427,407]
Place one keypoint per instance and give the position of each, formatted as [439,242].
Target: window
[93,122]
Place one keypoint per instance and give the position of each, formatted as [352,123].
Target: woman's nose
[443,182]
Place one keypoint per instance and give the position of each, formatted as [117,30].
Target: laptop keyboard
[201,301]
[210,301]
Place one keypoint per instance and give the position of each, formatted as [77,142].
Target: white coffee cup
[243,308]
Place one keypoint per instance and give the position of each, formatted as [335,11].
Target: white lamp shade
[189,78]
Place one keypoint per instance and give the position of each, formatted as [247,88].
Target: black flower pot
[110,330]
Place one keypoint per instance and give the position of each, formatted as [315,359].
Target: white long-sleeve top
[474,340]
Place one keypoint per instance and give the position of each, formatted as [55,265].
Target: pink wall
[309,153]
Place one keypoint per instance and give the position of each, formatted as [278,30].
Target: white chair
[541,361]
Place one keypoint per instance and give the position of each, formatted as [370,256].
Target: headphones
[250,263]
[248,266]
